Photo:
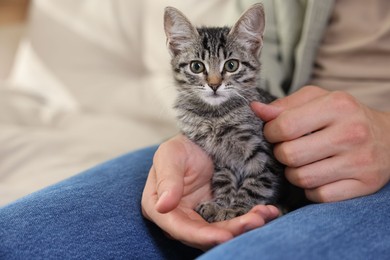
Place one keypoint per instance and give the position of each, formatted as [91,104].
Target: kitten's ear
[249,29]
[178,29]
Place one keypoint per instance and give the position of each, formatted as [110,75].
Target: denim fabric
[354,229]
[96,215]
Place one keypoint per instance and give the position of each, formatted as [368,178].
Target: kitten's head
[214,65]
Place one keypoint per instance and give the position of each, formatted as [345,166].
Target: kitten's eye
[231,65]
[197,67]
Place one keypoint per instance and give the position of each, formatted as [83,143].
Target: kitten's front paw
[226,214]
[208,210]
[213,212]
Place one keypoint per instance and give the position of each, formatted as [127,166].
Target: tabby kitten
[216,71]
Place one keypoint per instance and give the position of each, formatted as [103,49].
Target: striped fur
[221,121]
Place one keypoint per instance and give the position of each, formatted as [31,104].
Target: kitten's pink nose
[214,82]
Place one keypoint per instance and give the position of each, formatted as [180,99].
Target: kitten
[216,71]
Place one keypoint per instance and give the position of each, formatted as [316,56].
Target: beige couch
[90,81]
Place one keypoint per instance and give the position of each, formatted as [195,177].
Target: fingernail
[164,194]
[274,210]
[161,198]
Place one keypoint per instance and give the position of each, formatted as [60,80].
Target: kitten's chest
[226,138]
[208,132]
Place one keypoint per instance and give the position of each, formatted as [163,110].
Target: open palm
[178,180]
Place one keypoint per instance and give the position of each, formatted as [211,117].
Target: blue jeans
[96,215]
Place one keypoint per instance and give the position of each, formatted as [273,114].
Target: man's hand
[333,146]
[178,180]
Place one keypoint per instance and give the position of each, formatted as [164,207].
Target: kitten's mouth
[215,98]
[215,94]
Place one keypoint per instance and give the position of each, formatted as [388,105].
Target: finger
[182,224]
[299,152]
[206,236]
[219,232]
[187,226]
[191,229]
[299,121]
[169,176]
[320,173]
[266,212]
[209,235]
[346,165]
[337,191]
[302,96]
[264,111]
[256,217]
[149,195]
[270,111]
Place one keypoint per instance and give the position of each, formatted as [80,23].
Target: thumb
[169,172]
[266,112]
[169,192]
